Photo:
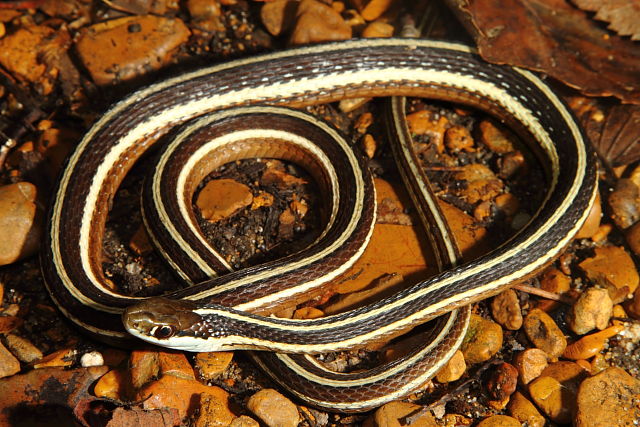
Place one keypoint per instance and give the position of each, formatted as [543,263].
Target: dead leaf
[556,38]
[623,16]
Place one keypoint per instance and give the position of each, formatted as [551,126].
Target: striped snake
[227,312]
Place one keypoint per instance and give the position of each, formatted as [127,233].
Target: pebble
[633,306]
[308,313]
[211,365]
[317,22]
[18,222]
[483,340]
[422,122]
[592,310]
[471,238]
[244,421]
[369,145]
[511,164]
[623,202]
[592,224]
[590,345]
[530,363]
[278,16]
[552,398]
[273,408]
[502,381]
[92,358]
[9,365]
[499,421]
[395,414]
[214,412]
[524,411]
[482,183]
[505,309]
[144,366]
[115,384]
[494,138]
[175,364]
[612,268]
[610,398]
[453,369]
[22,348]
[221,198]
[205,15]
[378,29]
[458,138]
[543,332]
[21,49]
[372,9]
[123,48]
[508,204]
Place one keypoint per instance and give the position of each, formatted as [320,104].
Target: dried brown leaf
[623,16]
[554,37]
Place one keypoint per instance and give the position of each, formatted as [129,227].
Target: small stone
[481,183]
[592,310]
[553,399]
[64,357]
[378,29]
[511,164]
[278,16]
[211,365]
[554,280]
[92,358]
[372,9]
[612,268]
[114,357]
[176,364]
[502,381]
[505,309]
[20,51]
[308,313]
[221,198]
[9,365]
[244,421]
[494,138]
[633,306]
[273,409]
[205,15]
[623,202]
[592,224]
[422,122]
[588,346]
[395,413]
[18,222]
[508,204]
[524,411]
[530,363]
[458,138]
[609,398]
[263,199]
[214,412]
[483,340]
[123,48]
[499,421]
[471,238]
[318,22]
[632,236]
[363,122]
[283,180]
[543,332]
[369,145]
[144,366]
[453,369]
[115,384]
[22,348]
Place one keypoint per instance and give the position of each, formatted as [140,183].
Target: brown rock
[483,340]
[318,22]
[632,236]
[499,421]
[278,16]
[590,345]
[120,49]
[505,309]
[273,409]
[502,381]
[144,365]
[482,184]
[530,363]
[568,373]
[308,313]
[508,204]
[20,51]
[183,394]
[524,411]
[592,224]
[19,222]
[378,29]
[244,421]
[458,138]
[623,201]
[554,400]
[453,369]
[633,306]
[544,333]
[221,198]
[612,268]
[379,288]
[494,138]
[609,398]
[372,9]
[393,202]
[211,365]
[592,310]
[140,242]
[214,412]
[9,365]
[471,238]
[205,14]
[22,348]
[511,164]
[9,323]
[395,414]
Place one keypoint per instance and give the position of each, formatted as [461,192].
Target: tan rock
[221,198]
[244,421]
[211,365]
[592,224]
[623,202]
[22,348]
[482,183]
[273,409]
[483,340]
[524,411]
[19,222]
[144,366]
[122,48]
[318,22]
[423,122]
[458,138]
[20,51]
[613,269]
[453,369]
[592,310]
[494,138]
[553,399]
[378,29]
[505,309]
[499,421]
[278,16]
[9,365]
[508,204]
[543,332]
[394,414]
[214,412]
[502,381]
[369,145]
[609,398]
[530,363]
[205,15]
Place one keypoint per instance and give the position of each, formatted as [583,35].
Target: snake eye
[163,332]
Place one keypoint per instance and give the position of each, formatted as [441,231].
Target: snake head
[158,320]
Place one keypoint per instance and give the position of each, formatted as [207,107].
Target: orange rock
[633,306]
[20,51]
[18,222]
[378,29]
[470,237]
[144,366]
[530,363]
[9,323]
[423,123]
[263,199]
[592,309]
[502,381]
[499,421]
[392,200]
[318,22]
[483,340]
[396,412]
[372,9]
[205,15]
[273,408]
[115,384]
[176,364]
[221,198]
[511,164]
[589,345]
[214,412]
[453,369]
[544,333]
[308,313]
[507,203]
[175,392]
[524,411]
[482,183]
[592,224]
[553,399]
[458,138]
[612,268]
[505,309]
[274,176]
[122,48]
[494,138]
[379,288]
[9,365]
[369,145]
[211,365]
[278,16]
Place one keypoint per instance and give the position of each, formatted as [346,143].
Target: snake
[228,312]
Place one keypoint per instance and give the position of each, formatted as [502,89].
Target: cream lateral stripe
[285,90]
